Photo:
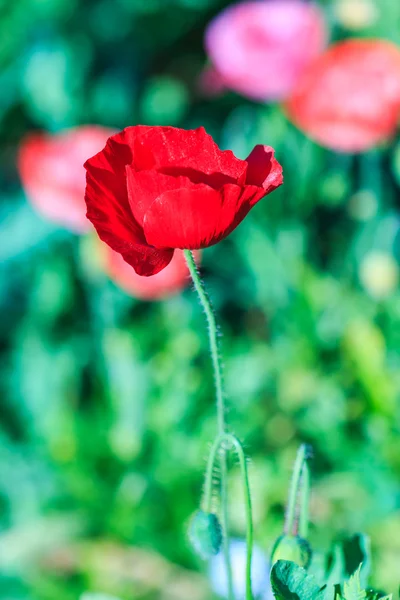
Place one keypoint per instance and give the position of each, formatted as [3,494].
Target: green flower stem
[213,338]
[304,501]
[207,500]
[290,521]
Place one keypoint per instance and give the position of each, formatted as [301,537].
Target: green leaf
[378,595]
[352,589]
[291,582]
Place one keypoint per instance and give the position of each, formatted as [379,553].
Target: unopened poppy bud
[205,534]
[293,548]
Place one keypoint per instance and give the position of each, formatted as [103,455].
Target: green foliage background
[107,402]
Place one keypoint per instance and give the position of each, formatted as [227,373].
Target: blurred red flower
[154,189]
[167,282]
[261,48]
[349,100]
[52,173]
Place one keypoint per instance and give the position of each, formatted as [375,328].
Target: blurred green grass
[107,402]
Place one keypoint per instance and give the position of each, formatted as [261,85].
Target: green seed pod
[293,548]
[205,534]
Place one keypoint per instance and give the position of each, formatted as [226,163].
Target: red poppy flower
[154,189]
[52,173]
[167,282]
[349,100]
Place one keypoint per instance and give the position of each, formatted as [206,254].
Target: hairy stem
[304,502]
[207,500]
[213,339]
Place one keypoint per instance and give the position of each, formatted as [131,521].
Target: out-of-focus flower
[261,48]
[259,572]
[349,99]
[154,189]
[356,14]
[210,82]
[52,173]
[379,274]
[167,282]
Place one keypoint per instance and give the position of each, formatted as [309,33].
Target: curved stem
[304,502]
[207,500]
[213,339]
[290,521]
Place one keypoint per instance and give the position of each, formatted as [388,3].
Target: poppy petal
[193,218]
[192,150]
[109,210]
[145,186]
[145,260]
[263,169]
[107,203]
[168,282]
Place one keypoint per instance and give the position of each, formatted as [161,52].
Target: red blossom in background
[52,173]
[167,282]
[154,189]
[349,100]
[260,49]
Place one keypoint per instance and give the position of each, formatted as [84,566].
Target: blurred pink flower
[52,173]
[167,282]
[261,48]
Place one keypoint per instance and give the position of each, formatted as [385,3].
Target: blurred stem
[213,339]
[207,501]
[304,501]
[290,522]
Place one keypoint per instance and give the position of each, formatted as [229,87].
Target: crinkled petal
[106,194]
[144,259]
[166,283]
[193,218]
[263,169]
[191,150]
[147,261]
[145,186]
[108,206]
